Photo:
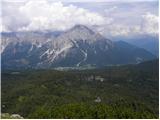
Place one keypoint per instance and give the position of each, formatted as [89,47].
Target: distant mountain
[149,43]
[78,46]
[128,52]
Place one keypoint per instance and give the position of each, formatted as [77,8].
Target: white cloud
[150,23]
[43,15]
[116,19]
[110,9]
[115,30]
[3,28]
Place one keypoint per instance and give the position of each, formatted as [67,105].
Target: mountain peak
[80,28]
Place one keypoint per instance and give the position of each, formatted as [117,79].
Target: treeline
[96,111]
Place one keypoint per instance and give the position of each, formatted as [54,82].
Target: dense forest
[128,91]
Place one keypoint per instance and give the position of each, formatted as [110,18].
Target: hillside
[129,91]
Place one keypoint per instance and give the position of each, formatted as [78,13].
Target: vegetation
[12,116]
[129,91]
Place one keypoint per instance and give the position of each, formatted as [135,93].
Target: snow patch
[31,48]
[2,48]
[85,54]
[84,59]
[58,52]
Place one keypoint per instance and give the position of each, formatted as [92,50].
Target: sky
[109,17]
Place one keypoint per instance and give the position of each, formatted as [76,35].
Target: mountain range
[76,47]
[148,42]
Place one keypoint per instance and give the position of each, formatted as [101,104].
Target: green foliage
[126,92]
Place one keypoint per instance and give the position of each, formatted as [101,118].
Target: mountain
[149,43]
[78,46]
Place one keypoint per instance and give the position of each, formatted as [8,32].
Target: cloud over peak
[109,18]
[42,15]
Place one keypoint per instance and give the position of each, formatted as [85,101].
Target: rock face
[78,46]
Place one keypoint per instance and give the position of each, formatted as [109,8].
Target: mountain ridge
[78,46]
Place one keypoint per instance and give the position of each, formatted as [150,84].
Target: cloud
[109,19]
[114,30]
[43,15]
[3,28]
[148,26]
[149,23]
[110,9]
